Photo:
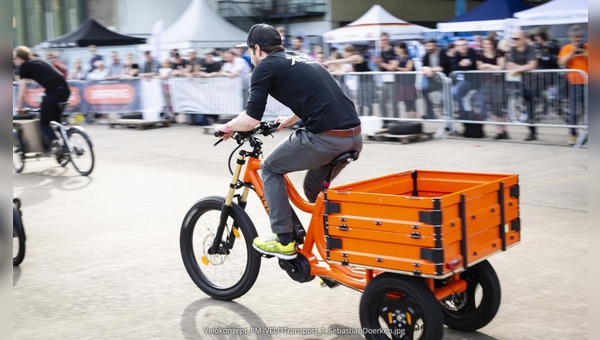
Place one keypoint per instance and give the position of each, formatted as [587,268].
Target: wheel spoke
[232,270]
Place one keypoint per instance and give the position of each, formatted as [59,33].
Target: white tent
[200,26]
[554,13]
[473,26]
[370,26]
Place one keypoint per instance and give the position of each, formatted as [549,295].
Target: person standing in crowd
[298,45]
[338,70]
[78,72]
[366,95]
[385,62]
[492,86]
[465,59]
[244,74]
[574,56]
[95,57]
[210,67]
[56,91]
[131,69]
[331,128]
[53,59]
[407,93]
[150,66]
[521,59]
[100,72]
[546,53]
[435,60]
[284,41]
[230,68]
[243,53]
[233,69]
[316,50]
[178,65]
[115,71]
[193,64]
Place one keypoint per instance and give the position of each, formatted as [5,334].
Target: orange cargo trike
[414,242]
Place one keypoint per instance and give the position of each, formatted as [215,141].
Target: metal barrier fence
[539,98]
[397,95]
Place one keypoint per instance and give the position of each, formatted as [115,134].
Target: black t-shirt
[42,73]
[210,68]
[387,56]
[306,87]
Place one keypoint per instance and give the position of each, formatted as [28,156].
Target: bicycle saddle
[345,157]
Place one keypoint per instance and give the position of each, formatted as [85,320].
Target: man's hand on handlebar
[223,131]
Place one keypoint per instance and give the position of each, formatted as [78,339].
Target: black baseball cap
[262,35]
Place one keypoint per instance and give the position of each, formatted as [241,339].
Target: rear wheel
[477,306]
[232,271]
[82,154]
[400,307]
[18,238]
[18,152]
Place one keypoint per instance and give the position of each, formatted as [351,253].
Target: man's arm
[286,121]
[231,73]
[21,93]
[243,122]
[514,68]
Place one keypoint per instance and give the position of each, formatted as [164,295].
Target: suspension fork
[226,208]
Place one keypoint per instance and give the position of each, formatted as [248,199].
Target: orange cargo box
[421,222]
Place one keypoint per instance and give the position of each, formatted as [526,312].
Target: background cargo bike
[415,243]
[74,144]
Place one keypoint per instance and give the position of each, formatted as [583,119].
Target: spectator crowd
[515,57]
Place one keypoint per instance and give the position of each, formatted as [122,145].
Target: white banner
[206,95]
[216,96]
[153,99]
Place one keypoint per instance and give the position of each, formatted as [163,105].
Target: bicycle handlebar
[264,128]
[28,109]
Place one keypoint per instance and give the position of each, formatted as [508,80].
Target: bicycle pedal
[267,256]
[326,282]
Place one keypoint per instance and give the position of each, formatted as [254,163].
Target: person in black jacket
[435,60]
[331,127]
[465,59]
[47,76]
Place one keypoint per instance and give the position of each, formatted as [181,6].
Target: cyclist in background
[51,80]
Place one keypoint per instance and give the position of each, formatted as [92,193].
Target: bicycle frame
[315,236]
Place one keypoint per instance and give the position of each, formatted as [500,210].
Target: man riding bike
[57,90]
[331,127]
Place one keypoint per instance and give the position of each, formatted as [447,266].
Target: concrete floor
[103,255]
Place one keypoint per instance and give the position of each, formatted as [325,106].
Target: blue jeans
[459,90]
[576,98]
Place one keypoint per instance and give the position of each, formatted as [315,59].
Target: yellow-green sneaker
[270,245]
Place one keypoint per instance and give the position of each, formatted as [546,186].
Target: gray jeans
[302,150]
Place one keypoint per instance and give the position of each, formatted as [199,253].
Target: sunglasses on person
[516,38]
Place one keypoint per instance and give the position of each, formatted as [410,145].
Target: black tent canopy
[92,32]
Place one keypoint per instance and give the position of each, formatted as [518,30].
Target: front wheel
[232,271]
[82,153]
[400,307]
[18,238]
[476,307]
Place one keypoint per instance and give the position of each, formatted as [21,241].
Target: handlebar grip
[218,133]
